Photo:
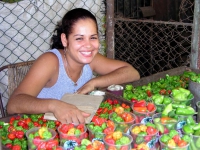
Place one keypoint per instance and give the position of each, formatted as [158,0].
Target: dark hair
[68,21]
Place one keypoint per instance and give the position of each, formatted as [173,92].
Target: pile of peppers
[122,119]
[174,140]
[97,131]
[42,139]
[192,129]
[72,132]
[117,140]
[144,136]
[13,132]
[88,145]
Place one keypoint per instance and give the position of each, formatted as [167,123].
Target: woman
[68,68]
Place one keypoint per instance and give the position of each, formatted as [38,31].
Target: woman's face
[83,42]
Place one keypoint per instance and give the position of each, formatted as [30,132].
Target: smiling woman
[68,68]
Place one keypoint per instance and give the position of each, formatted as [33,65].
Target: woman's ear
[64,40]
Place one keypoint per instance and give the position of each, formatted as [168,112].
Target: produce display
[42,138]
[173,140]
[71,135]
[143,111]
[144,136]
[86,144]
[192,129]
[97,130]
[122,119]
[117,140]
[155,116]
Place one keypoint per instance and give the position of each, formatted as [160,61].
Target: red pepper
[134,100]
[110,141]
[182,143]
[57,123]
[151,131]
[115,102]
[9,145]
[176,138]
[99,110]
[12,120]
[108,130]
[16,147]
[19,134]
[126,147]
[11,128]
[163,91]
[36,140]
[41,146]
[11,136]
[109,101]
[141,103]
[28,120]
[150,107]
[51,144]
[149,94]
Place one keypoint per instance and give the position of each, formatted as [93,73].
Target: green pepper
[139,140]
[196,127]
[160,127]
[2,123]
[77,132]
[86,142]
[51,124]
[172,114]
[192,145]
[197,132]
[167,100]
[190,120]
[149,124]
[46,135]
[186,138]
[185,111]
[97,129]
[157,99]
[165,138]
[172,133]
[197,143]
[142,133]
[124,140]
[6,141]
[167,109]
[176,105]
[129,87]
[187,129]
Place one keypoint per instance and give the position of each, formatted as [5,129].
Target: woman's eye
[78,39]
[94,38]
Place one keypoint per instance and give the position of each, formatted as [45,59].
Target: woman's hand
[67,113]
[87,88]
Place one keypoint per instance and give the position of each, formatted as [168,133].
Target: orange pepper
[166,119]
[140,109]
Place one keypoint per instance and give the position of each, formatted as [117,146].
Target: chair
[14,74]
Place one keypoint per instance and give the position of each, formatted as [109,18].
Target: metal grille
[155,46]
[27,27]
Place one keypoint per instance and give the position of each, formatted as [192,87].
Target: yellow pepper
[143,128]
[135,130]
[143,146]
[171,143]
[41,131]
[117,135]
[71,131]
[119,110]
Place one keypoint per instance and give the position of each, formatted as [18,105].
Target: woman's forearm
[119,76]
[23,103]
